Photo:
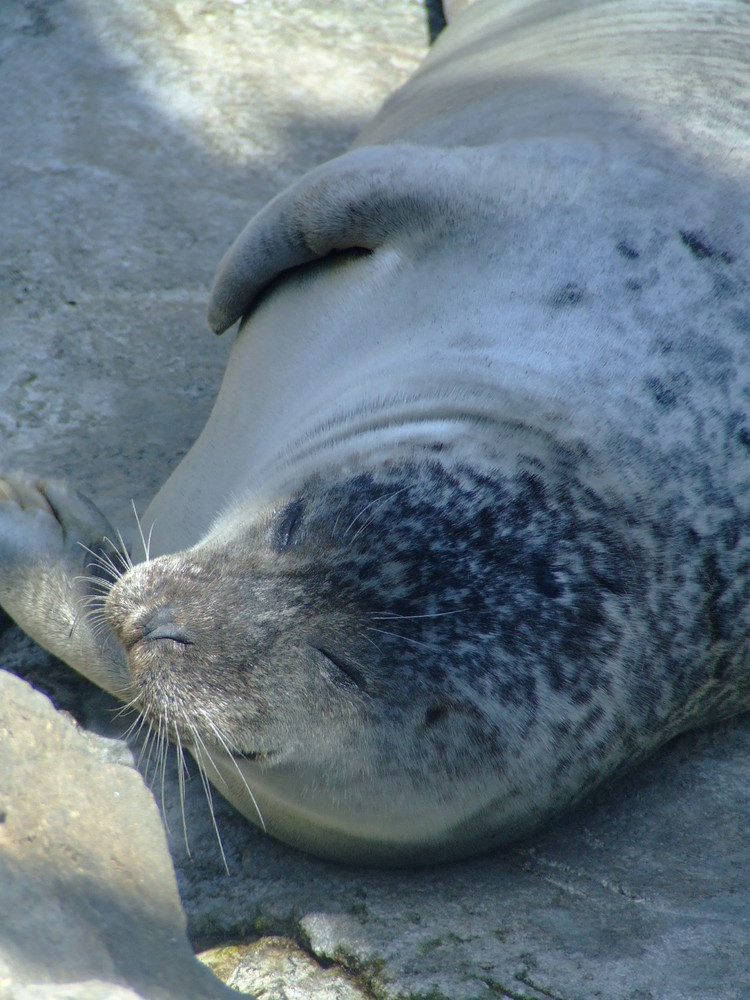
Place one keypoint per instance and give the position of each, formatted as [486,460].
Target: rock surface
[277,967]
[87,893]
[137,137]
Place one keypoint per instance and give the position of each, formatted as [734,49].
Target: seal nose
[133,625]
[161,624]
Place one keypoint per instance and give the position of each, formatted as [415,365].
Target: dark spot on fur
[544,578]
[662,393]
[627,251]
[589,723]
[569,295]
[633,285]
[668,393]
[663,345]
[613,583]
[742,320]
[41,23]
[719,628]
[531,494]
[700,248]
[434,714]
[743,436]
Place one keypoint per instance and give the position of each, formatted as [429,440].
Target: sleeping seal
[467,529]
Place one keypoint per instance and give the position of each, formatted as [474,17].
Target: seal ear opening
[358,201]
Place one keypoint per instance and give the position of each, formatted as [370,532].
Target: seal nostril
[162,625]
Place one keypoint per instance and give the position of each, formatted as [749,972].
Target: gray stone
[93,990]
[137,137]
[275,968]
[87,895]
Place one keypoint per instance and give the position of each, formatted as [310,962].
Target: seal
[467,529]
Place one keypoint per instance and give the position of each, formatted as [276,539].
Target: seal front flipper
[56,560]
[361,200]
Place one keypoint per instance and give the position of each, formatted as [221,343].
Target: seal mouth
[186,733]
[255,756]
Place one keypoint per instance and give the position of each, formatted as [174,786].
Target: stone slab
[87,893]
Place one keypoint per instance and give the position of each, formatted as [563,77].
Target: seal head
[423,660]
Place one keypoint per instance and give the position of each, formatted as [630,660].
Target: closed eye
[355,676]
[171,633]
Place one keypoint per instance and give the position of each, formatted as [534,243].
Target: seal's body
[467,529]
